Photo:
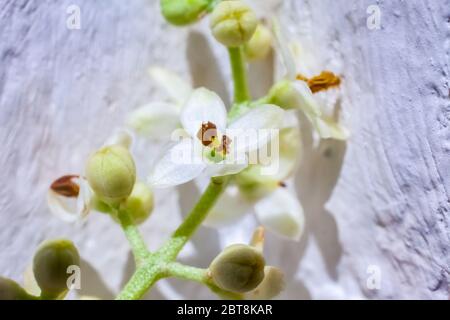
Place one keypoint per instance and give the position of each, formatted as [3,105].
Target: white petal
[286,54]
[330,129]
[29,281]
[177,88]
[271,286]
[228,209]
[156,120]
[307,102]
[227,167]
[327,128]
[120,137]
[255,128]
[178,166]
[203,106]
[66,208]
[281,213]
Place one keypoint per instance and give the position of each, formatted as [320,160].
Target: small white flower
[212,147]
[69,198]
[325,125]
[158,119]
[276,208]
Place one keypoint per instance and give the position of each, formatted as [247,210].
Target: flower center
[209,137]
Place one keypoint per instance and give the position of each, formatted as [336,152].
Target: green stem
[195,218]
[199,275]
[143,278]
[154,267]
[239,71]
[134,237]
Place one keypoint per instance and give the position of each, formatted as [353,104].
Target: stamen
[323,81]
[224,145]
[207,133]
[64,186]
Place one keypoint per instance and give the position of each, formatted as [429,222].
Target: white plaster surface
[379,202]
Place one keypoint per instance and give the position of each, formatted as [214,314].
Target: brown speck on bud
[65,186]
[323,81]
[207,133]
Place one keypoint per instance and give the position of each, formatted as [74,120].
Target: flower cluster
[248,153]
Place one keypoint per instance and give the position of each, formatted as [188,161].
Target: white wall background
[380,201]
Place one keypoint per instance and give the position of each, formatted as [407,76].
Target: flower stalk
[239,72]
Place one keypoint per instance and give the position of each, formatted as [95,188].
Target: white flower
[324,124]
[70,197]
[158,119]
[276,207]
[212,147]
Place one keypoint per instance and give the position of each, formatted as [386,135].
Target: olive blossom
[209,146]
[294,92]
[275,206]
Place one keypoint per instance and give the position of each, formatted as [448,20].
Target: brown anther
[224,145]
[282,184]
[65,186]
[323,81]
[207,133]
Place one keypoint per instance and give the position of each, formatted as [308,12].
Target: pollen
[207,133]
[65,186]
[322,82]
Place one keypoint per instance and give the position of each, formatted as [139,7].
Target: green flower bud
[233,23]
[259,44]
[239,268]
[111,173]
[11,290]
[284,95]
[183,12]
[140,203]
[50,265]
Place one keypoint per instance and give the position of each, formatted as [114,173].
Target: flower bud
[270,287]
[239,268]
[140,203]
[233,23]
[253,185]
[111,173]
[11,290]
[284,95]
[183,12]
[259,45]
[51,263]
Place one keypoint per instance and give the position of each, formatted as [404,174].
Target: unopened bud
[11,290]
[183,12]
[140,203]
[233,23]
[239,268]
[259,45]
[111,173]
[284,95]
[51,263]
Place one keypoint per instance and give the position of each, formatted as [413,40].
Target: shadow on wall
[315,182]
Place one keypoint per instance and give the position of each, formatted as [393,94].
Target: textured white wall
[380,200]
